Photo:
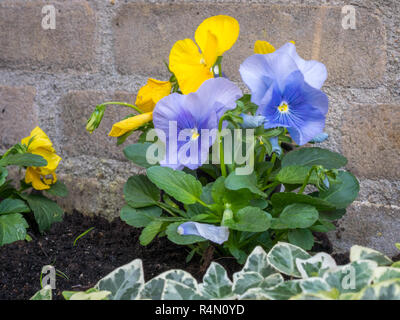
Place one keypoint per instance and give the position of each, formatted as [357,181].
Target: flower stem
[221,147]
[306,181]
[273,159]
[123,104]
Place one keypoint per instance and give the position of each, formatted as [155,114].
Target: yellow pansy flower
[214,36]
[146,100]
[39,143]
[151,93]
[264,47]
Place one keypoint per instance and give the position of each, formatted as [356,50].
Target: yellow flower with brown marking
[39,143]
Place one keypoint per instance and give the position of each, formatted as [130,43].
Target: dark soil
[106,247]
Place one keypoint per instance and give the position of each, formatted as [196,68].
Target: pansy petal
[210,52]
[168,109]
[40,140]
[129,124]
[33,177]
[151,93]
[51,181]
[297,91]
[185,61]
[207,231]
[250,121]
[275,146]
[320,137]
[219,94]
[225,28]
[306,122]
[263,47]
[314,72]
[52,159]
[260,71]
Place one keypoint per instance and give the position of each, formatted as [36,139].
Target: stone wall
[102,50]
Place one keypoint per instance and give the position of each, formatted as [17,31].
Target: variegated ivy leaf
[255,294]
[362,253]
[283,258]
[352,277]
[155,288]
[94,295]
[386,273]
[43,294]
[216,283]
[313,296]
[245,281]
[258,262]
[315,286]
[315,266]
[284,291]
[387,290]
[178,291]
[125,282]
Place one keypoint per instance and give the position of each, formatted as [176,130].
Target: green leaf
[332,215]
[216,283]
[302,238]
[177,238]
[3,175]
[218,190]
[88,295]
[314,156]
[137,154]
[139,217]
[13,206]
[386,273]
[125,282]
[362,253]
[23,160]
[281,199]
[298,215]
[323,226]
[257,262]
[315,266]
[172,284]
[351,277]
[45,210]
[58,189]
[206,195]
[314,286]
[43,294]
[237,182]
[12,228]
[283,258]
[250,219]
[343,193]
[296,175]
[150,232]
[388,290]
[182,186]
[140,192]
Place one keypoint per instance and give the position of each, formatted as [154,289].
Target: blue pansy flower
[286,89]
[207,231]
[192,121]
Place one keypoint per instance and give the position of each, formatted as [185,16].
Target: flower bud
[95,118]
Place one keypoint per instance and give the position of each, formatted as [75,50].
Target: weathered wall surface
[102,50]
